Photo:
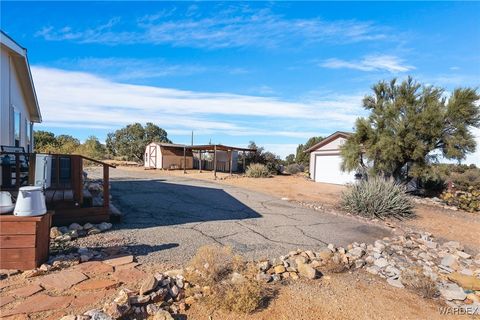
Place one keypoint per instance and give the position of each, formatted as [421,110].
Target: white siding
[12,96]
[325,164]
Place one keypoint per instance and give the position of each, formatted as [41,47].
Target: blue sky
[276,73]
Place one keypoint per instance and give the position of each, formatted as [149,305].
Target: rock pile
[455,273]
[76,230]
[159,296]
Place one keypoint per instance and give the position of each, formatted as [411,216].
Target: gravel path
[168,218]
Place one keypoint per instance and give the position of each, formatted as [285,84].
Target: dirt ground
[442,223]
[337,296]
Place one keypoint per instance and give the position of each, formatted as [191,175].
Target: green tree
[130,142]
[302,157]
[410,125]
[67,144]
[93,148]
[44,141]
[290,159]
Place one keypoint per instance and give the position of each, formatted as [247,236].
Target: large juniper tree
[130,142]
[410,125]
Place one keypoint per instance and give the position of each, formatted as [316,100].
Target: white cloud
[237,26]
[388,63]
[80,99]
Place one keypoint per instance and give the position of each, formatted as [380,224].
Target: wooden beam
[106,187]
[215,161]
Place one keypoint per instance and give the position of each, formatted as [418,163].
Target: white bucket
[6,204]
[30,202]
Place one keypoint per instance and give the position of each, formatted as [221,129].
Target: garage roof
[330,138]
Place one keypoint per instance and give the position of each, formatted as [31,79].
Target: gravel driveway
[168,218]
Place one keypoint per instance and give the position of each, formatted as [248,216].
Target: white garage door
[327,169]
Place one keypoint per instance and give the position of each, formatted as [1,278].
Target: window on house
[16,127]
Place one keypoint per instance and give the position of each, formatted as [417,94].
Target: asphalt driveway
[168,218]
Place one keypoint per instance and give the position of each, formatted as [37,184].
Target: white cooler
[30,202]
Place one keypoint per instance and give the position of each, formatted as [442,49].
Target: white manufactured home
[19,108]
[325,160]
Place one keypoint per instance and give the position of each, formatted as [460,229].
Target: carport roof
[211,147]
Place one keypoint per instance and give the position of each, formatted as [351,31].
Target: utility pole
[192,137]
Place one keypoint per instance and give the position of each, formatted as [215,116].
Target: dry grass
[415,279]
[213,266]
[242,297]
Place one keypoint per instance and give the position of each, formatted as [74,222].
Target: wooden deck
[67,196]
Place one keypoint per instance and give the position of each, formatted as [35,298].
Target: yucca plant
[378,198]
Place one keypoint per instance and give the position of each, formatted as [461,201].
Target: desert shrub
[469,178]
[257,170]
[212,264]
[294,168]
[243,297]
[377,197]
[215,267]
[465,200]
[415,279]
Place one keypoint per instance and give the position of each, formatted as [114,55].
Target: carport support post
[231,161]
[244,169]
[215,161]
[184,160]
[200,155]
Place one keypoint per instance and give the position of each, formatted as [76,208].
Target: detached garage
[325,160]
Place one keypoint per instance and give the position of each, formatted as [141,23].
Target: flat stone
[127,266]
[89,299]
[463,255]
[95,284]
[129,275]
[27,291]
[62,280]
[92,268]
[38,303]
[162,315]
[450,261]
[118,261]
[6,300]
[279,269]
[451,291]
[148,285]
[395,283]
[465,281]
[307,271]
[381,262]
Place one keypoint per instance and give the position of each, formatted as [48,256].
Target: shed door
[327,169]
[152,156]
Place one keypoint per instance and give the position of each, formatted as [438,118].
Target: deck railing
[18,169]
